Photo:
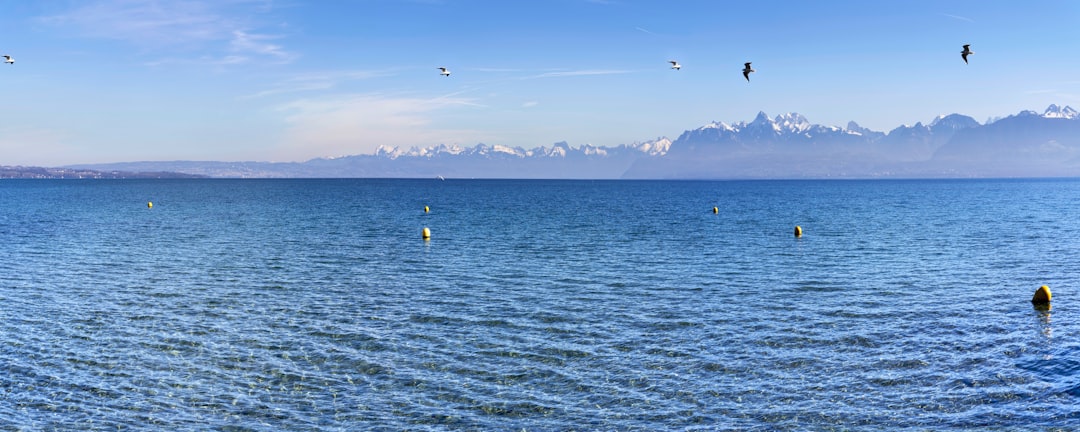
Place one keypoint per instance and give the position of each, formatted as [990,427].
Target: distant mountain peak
[953,122]
[718,125]
[657,147]
[761,119]
[853,127]
[1055,111]
[763,127]
[793,122]
[943,118]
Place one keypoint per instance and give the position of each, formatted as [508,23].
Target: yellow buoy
[150,204]
[426,234]
[798,231]
[715,210]
[1042,295]
[426,209]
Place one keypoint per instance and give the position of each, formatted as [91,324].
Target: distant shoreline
[47,173]
[23,172]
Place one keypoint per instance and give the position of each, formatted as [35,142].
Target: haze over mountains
[1027,144]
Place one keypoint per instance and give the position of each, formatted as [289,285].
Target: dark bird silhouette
[966,52]
[746,72]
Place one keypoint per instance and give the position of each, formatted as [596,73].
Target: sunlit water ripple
[538,305]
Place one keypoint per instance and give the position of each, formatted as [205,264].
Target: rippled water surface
[538,305]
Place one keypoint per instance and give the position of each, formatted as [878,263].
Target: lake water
[538,305]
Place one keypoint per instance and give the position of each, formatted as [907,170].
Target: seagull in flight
[9,60]
[675,65]
[444,72]
[966,52]
[746,71]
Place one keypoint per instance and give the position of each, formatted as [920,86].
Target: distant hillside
[21,172]
[1028,144]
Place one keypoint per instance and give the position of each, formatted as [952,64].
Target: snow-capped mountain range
[1054,111]
[655,147]
[785,146]
[954,145]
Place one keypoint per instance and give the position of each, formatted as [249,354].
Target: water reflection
[1042,311]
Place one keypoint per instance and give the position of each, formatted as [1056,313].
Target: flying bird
[746,72]
[966,52]
[9,60]
[444,72]
[675,65]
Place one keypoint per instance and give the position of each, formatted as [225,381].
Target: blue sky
[261,80]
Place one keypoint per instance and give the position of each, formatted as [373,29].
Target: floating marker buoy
[798,231]
[150,204]
[426,209]
[715,210]
[426,233]
[1042,295]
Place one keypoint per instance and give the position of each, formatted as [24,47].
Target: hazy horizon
[119,80]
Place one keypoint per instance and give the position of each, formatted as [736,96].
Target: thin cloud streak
[244,42]
[494,70]
[319,81]
[587,72]
[645,31]
[958,17]
[452,99]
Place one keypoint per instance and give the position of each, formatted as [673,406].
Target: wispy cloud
[497,70]
[222,30]
[319,81]
[145,22]
[360,123]
[247,44]
[958,17]
[586,72]
[530,104]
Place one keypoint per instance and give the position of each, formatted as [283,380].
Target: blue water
[538,305]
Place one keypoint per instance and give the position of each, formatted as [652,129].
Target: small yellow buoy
[426,209]
[426,234]
[1042,295]
[715,210]
[150,204]
[798,231]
